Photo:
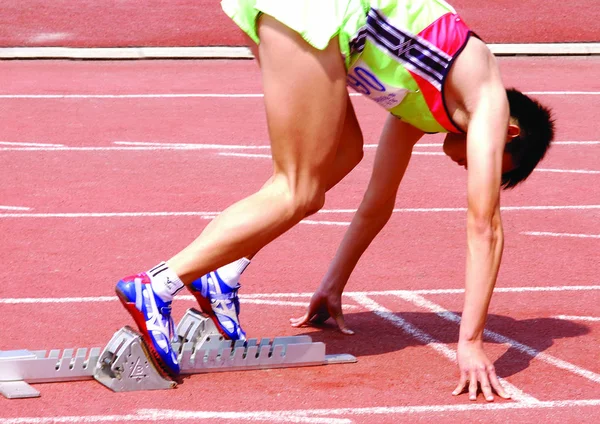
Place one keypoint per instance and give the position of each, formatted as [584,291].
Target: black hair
[530,146]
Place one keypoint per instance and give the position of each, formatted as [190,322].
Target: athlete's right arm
[391,160]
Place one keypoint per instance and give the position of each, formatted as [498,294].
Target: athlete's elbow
[376,208]
[485,226]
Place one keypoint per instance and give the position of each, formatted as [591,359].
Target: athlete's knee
[312,201]
[308,198]
[303,195]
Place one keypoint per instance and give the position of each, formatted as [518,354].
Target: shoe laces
[165,311]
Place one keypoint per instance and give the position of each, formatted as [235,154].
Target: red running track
[52,259]
[114,23]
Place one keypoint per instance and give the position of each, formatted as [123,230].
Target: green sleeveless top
[397,52]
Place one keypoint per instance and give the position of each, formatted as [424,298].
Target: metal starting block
[125,364]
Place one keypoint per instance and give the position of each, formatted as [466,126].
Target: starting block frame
[125,365]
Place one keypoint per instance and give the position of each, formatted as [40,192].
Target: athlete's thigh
[350,148]
[305,100]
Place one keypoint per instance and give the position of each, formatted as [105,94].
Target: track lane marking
[213,214]
[428,340]
[14,208]
[153,415]
[246,155]
[266,156]
[568,171]
[308,295]
[195,145]
[247,300]
[443,313]
[550,234]
[161,415]
[577,318]
[224,95]
[158,146]
[25,144]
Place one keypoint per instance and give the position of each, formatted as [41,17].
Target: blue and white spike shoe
[153,318]
[221,303]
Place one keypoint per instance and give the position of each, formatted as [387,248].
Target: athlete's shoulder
[474,68]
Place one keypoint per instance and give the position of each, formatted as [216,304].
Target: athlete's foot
[153,318]
[221,303]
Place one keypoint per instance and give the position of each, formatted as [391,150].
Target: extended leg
[305,99]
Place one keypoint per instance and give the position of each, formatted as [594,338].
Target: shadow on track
[376,336]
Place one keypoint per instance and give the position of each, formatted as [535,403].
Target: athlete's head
[528,138]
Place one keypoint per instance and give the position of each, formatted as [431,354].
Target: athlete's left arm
[487,107]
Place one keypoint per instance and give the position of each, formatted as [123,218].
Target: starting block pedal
[125,364]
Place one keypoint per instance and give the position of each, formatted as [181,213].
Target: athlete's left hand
[323,305]
[475,367]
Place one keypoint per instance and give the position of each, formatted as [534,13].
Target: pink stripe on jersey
[450,34]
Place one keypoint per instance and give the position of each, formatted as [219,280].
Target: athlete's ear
[513,131]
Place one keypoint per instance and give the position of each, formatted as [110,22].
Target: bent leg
[349,153]
[350,148]
[305,99]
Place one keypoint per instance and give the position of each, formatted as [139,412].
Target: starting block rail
[125,365]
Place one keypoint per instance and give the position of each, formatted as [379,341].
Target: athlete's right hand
[323,305]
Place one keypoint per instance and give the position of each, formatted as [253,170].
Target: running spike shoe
[153,318]
[221,303]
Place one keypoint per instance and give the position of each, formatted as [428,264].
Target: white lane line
[389,410]
[434,291]
[421,302]
[550,234]
[133,148]
[417,153]
[584,143]
[266,146]
[554,143]
[531,289]
[165,415]
[246,155]
[577,318]
[156,146]
[135,96]
[201,215]
[253,300]
[255,155]
[153,415]
[224,95]
[323,415]
[503,208]
[226,52]
[428,340]
[568,171]
[211,215]
[539,208]
[18,143]
[195,145]
[562,93]
[58,300]
[14,208]
[308,295]
[334,223]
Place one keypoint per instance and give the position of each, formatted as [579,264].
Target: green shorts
[317,21]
